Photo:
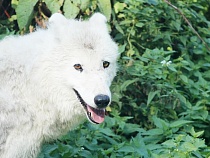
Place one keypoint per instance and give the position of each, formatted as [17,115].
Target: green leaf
[53,5]
[187,146]
[160,123]
[109,151]
[84,4]
[105,8]
[130,52]
[70,9]
[85,153]
[179,123]
[126,149]
[139,24]
[24,12]
[122,48]
[176,24]
[14,3]
[107,132]
[182,98]
[184,78]
[151,96]
[183,39]
[118,27]
[152,132]
[196,134]
[172,68]
[119,6]
[153,2]
[169,143]
[127,83]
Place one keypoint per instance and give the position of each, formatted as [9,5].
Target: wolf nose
[101,100]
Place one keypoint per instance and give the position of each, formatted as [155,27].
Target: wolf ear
[58,23]
[99,19]
[57,19]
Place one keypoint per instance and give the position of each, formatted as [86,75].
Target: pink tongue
[97,115]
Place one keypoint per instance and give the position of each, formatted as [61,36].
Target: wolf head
[81,64]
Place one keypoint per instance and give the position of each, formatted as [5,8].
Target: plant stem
[188,22]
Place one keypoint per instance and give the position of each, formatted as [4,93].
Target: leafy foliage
[161,96]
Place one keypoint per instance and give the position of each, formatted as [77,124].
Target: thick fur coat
[51,80]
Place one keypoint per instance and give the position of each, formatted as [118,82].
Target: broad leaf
[179,123]
[105,8]
[70,9]
[53,5]
[151,96]
[24,12]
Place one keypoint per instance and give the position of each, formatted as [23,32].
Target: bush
[161,96]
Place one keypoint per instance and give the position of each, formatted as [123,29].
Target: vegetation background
[161,96]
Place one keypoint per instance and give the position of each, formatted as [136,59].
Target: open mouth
[94,115]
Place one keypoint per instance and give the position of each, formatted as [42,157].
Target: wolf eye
[78,67]
[106,64]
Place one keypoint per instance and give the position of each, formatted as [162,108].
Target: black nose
[101,100]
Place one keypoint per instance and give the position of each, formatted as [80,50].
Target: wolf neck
[57,120]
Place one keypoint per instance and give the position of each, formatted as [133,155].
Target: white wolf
[51,79]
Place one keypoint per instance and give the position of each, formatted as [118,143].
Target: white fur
[37,77]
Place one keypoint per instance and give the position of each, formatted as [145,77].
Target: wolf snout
[102,100]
